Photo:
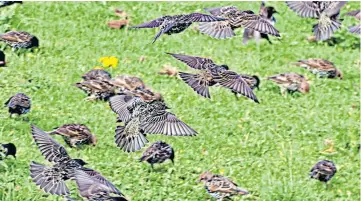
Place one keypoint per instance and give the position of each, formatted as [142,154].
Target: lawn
[267,148]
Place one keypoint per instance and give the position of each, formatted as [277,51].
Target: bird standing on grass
[97,89]
[355,29]
[18,104]
[97,74]
[220,187]
[291,82]
[7,150]
[140,118]
[158,152]
[20,39]
[177,23]
[235,19]
[267,14]
[211,74]
[327,13]
[324,170]
[321,67]
[75,134]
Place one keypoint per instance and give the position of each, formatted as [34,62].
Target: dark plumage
[8,3]
[96,188]
[220,187]
[97,89]
[75,134]
[97,74]
[266,12]
[235,19]
[18,104]
[7,150]
[355,29]
[19,39]
[324,170]
[142,118]
[2,58]
[158,152]
[253,81]
[326,12]
[211,74]
[177,23]
[291,82]
[321,67]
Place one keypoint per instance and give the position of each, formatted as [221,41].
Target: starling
[326,12]
[267,14]
[97,89]
[291,82]
[51,179]
[323,170]
[2,59]
[253,81]
[355,29]
[220,187]
[142,118]
[235,19]
[96,188]
[7,150]
[20,39]
[211,74]
[18,104]
[75,134]
[8,3]
[97,74]
[126,82]
[177,23]
[158,152]
[321,67]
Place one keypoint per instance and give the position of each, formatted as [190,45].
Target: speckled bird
[75,134]
[253,81]
[355,29]
[20,39]
[177,23]
[320,67]
[2,59]
[8,149]
[291,82]
[97,89]
[235,19]
[211,74]
[266,12]
[158,152]
[97,188]
[97,74]
[327,13]
[324,170]
[127,82]
[220,187]
[8,3]
[18,104]
[140,118]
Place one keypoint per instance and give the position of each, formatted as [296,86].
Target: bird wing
[50,149]
[7,103]
[305,8]
[223,185]
[151,24]
[73,130]
[130,137]
[199,17]
[198,82]
[334,8]
[12,36]
[121,104]
[236,83]
[286,78]
[224,11]
[101,179]
[163,30]
[355,13]
[193,62]
[256,22]
[219,30]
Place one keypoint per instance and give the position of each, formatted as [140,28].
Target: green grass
[267,148]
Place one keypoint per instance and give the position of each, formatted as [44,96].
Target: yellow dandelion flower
[221,171]
[109,61]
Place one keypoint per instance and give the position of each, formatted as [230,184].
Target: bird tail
[198,84]
[129,142]
[324,32]
[47,179]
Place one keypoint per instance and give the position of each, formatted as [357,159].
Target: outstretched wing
[151,24]
[305,8]
[164,29]
[224,11]
[121,104]
[51,149]
[257,23]
[219,30]
[198,82]
[100,179]
[193,62]
[199,17]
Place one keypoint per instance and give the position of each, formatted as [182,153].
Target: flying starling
[266,12]
[253,81]
[355,29]
[96,188]
[8,3]
[97,89]
[7,150]
[327,13]
[220,187]
[158,152]
[2,59]
[20,39]
[51,179]
[235,19]
[75,134]
[18,104]
[97,74]
[321,67]
[324,170]
[177,23]
[291,82]
[142,118]
[211,74]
